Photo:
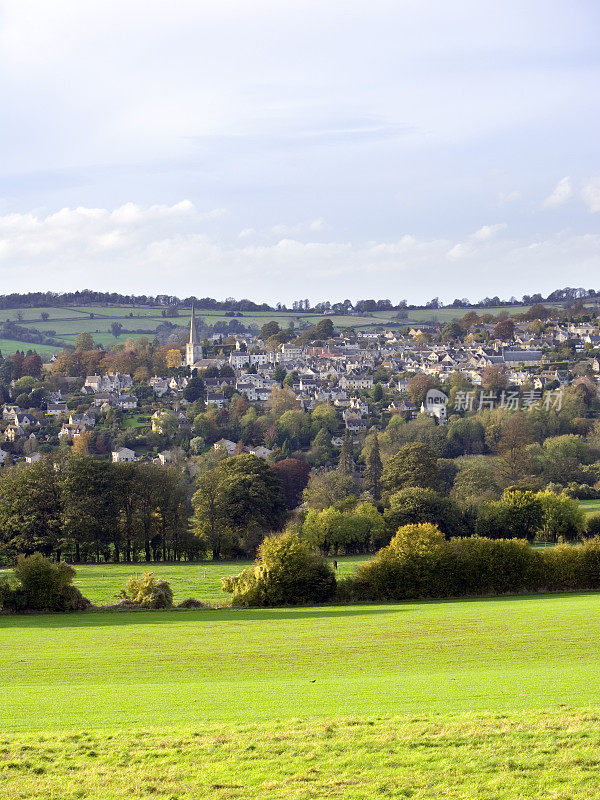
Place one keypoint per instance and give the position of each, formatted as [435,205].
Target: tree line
[81,509]
[90,297]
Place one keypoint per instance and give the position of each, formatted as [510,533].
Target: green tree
[561,516]
[269,329]
[236,504]
[84,341]
[415,464]
[194,390]
[346,457]
[31,509]
[321,452]
[326,488]
[414,505]
[518,515]
[89,505]
[373,467]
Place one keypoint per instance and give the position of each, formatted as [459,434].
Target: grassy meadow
[491,698]
[590,506]
[102,582]
[69,321]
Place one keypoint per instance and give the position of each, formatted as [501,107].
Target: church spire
[193,349]
[193,332]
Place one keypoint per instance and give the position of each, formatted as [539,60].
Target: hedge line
[420,563]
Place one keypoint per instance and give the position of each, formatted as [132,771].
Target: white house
[123,454]
[225,444]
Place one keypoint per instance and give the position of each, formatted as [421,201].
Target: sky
[399,149]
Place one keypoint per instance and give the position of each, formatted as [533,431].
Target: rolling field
[68,321]
[466,699]
[590,506]
[10,346]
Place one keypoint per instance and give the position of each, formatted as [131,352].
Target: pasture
[590,506]
[102,582]
[469,699]
[68,321]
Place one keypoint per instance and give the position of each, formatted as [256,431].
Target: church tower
[193,349]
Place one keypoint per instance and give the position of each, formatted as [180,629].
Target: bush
[191,602]
[411,566]
[493,566]
[286,572]
[592,525]
[42,586]
[420,563]
[148,592]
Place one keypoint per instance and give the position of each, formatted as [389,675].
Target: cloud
[489,231]
[473,243]
[509,197]
[591,195]
[300,228]
[180,250]
[561,193]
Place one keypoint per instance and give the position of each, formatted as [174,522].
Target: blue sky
[281,150]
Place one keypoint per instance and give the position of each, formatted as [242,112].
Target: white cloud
[591,195]
[562,192]
[475,241]
[176,249]
[489,231]
[300,228]
[510,197]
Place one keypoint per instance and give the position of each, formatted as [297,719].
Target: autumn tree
[418,386]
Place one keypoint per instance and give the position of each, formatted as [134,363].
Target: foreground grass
[127,670]
[470,700]
[551,756]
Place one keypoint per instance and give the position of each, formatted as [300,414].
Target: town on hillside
[144,400]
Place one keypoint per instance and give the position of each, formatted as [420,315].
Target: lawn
[463,699]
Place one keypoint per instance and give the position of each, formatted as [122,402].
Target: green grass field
[464,699]
[590,506]
[10,346]
[68,321]
[101,583]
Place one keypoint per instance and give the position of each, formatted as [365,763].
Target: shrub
[148,592]
[420,563]
[592,525]
[191,602]
[493,566]
[42,586]
[411,566]
[286,572]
